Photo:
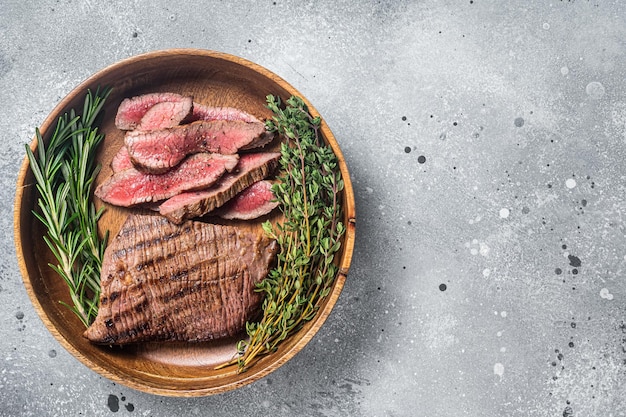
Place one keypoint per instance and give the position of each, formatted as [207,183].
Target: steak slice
[165,114]
[132,110]
[255,201]
[160,150]
[130,186]
[121,160]
[208,113]
[203,112]
[190,282]
[251,168]
[259,142]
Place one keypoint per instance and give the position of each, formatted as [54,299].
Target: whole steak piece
[189,282]
[158,151]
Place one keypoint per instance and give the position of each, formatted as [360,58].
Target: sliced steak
[132,110]
[259,142]
[250,169]
[203,112]
[130,186]
[160,150]
[208,113]
[121,160]
[165,114]
[255,201]
[189,282]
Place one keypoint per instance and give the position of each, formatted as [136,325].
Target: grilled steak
[160,150]
[121,160]
[250,168]
[202,112]
[130,186]
[259,142]
[165,114]
[255,201]
[208,113]
[132,110]
[192,282]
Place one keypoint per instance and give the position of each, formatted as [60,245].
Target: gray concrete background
[487,146]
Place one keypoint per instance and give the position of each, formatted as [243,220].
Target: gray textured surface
[519,110]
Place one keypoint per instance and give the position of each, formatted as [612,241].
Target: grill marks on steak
[160,150]
[131,110]
[131,186]
[250,169]
[188,282]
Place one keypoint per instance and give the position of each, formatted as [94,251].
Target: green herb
[308,189]
[64,171]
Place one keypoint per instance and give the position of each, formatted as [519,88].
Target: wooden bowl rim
[310,328]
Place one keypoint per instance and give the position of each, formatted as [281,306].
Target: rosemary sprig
[308,189]
[64,171]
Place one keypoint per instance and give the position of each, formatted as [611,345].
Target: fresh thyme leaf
[64,171]
[308,189]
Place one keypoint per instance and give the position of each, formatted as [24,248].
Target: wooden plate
[166,369]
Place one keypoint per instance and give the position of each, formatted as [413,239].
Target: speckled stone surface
[487,146]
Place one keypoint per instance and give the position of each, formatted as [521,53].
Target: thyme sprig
[64,171]
[308,189]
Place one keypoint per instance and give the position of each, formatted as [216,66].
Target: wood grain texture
[180,369]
